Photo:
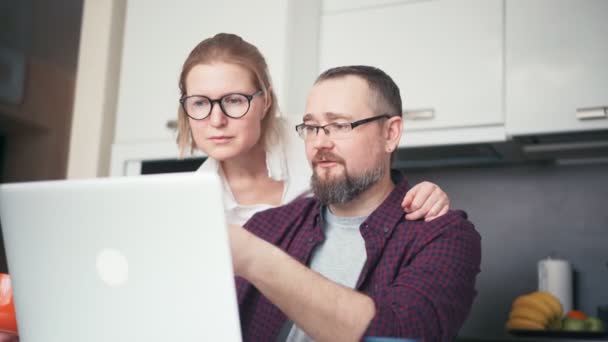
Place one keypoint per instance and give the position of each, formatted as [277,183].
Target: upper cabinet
[159,36]
[446,57]
[556,66]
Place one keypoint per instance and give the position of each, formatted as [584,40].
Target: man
[370,271]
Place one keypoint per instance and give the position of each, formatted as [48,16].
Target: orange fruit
[576,314]
[8,321]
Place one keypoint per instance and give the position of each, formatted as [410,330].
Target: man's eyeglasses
[335,130]
[235,105]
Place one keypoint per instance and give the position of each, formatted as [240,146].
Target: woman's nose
[217,118]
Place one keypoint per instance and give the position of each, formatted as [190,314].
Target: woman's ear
[394,126]
[267,101]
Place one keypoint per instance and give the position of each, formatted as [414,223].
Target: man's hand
[425,200]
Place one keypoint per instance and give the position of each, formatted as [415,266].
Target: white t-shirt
[285,160]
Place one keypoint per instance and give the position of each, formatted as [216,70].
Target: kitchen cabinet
[556,66]
[446,57]
[341,5]
[158,37]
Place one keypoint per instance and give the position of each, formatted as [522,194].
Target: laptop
[142,258]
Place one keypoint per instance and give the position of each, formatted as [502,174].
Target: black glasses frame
[183,100]
[353,125]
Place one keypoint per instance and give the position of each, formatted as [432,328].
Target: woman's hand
[425,200]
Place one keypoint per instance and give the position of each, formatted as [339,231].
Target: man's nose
[322,140]
[217,118]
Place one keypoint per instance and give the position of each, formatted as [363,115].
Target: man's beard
[344,188]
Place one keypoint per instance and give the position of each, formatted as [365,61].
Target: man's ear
[394,126]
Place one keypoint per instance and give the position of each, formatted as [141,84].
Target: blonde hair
[228,48]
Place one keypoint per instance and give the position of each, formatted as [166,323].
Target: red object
[576,314]
[8,320]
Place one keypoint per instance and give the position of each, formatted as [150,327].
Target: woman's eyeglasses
[235,105]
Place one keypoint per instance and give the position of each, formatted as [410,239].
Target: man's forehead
[340,98]
[327,116]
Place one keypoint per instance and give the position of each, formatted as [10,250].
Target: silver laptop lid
[121,259]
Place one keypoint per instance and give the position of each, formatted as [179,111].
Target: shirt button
[386,229]
[310,240]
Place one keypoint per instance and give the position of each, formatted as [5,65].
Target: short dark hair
[386,97]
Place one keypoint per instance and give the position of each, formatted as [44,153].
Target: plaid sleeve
[433,292]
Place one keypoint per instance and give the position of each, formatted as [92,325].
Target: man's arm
[431,297]
[325,310]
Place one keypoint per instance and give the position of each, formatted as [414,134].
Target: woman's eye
[199,102]
[233,100]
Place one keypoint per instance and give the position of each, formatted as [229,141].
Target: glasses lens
[197,107]
[339,130]
[307,132]
[235,105]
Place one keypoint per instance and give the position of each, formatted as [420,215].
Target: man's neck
[366,202]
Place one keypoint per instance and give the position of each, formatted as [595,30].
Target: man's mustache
[326,157]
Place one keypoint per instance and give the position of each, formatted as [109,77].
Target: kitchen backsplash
[525,213]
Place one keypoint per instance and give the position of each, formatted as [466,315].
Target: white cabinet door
[159,35]
[341,5]
[556,64]
[446,56]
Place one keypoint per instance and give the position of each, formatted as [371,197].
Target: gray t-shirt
[340,258]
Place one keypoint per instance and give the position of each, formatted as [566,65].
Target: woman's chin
[224,154]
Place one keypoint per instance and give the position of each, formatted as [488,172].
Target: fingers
[429,202]
[423,210]
[420,194]
[438,209]
[407,200]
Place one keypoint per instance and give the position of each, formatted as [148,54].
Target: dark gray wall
[524,214]
[47,30]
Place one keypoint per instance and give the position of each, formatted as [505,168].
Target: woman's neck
[251,165]
[249,181]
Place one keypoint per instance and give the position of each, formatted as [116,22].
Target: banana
[535,303]
[521,323]
[552,301]
[555,324]
[530,314]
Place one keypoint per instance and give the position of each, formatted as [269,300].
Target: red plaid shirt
[421,275]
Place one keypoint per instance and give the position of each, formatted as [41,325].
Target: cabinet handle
[418,114]
[592,113]
[171,124]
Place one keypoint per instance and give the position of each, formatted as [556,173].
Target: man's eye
[310,129]
[342,126]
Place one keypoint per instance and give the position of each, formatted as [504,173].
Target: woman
[229,111]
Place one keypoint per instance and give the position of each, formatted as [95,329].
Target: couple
[345,263]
